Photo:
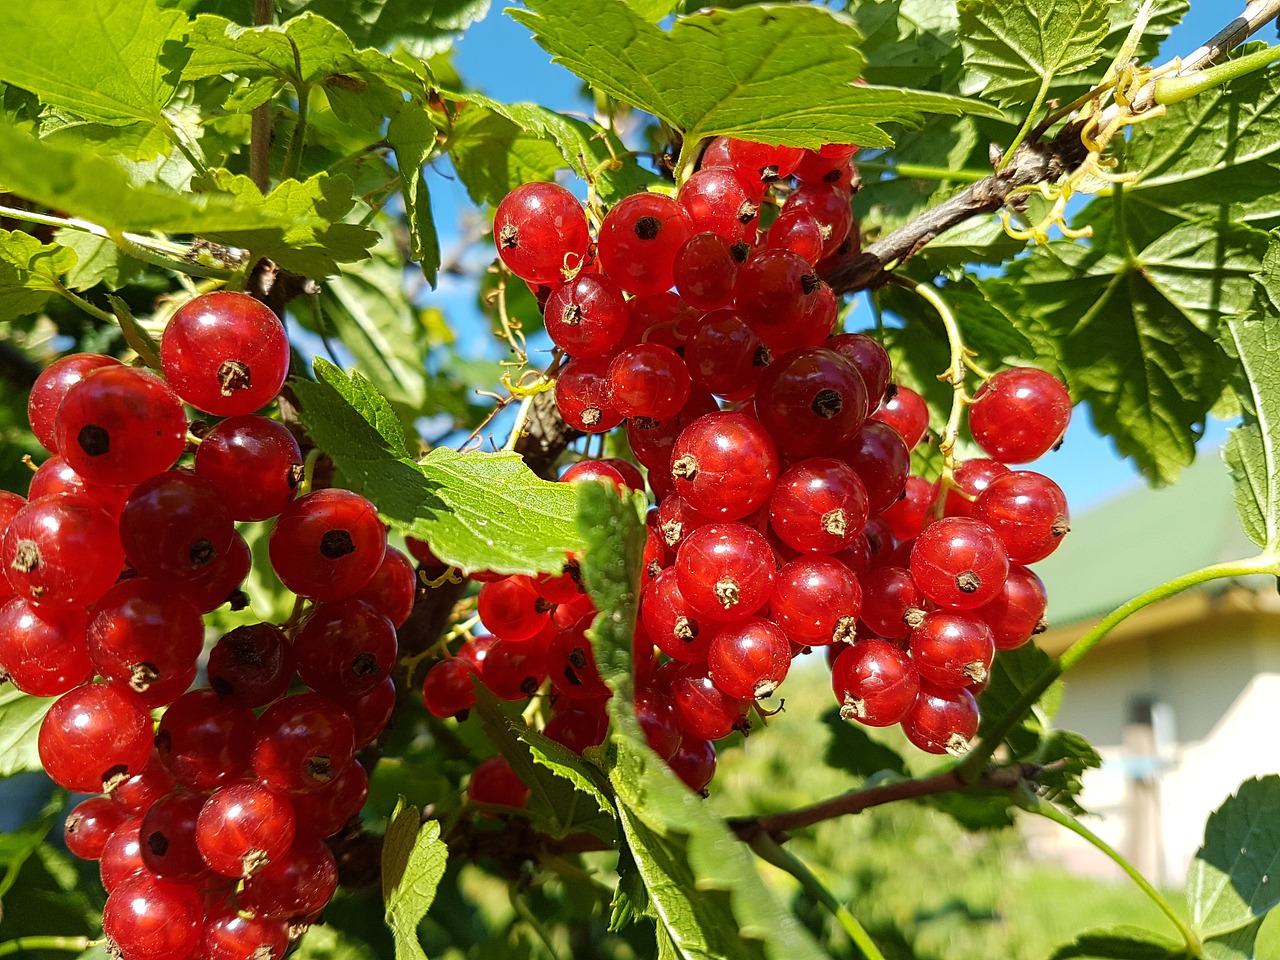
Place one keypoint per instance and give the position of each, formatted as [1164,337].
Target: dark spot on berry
[651,570]
[238,600]
[232,376]
[572,677]
[158,844]
[648,228]
[335,544]
[761,357]
[364,664]
[685,467]
[890,392]
[643,423]
[740,251]
[508,237]
[543,606]
[827,403]
[94,440]
[529,686]
[968,581]
[319,768]
[746,213]
[573,570]
[810,282]
[578,658]
[201,553]
[571,315]
[221,687]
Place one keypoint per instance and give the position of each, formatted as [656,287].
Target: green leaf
[566,794]
[29,272]
[1237,945]
[477,510]
[412,136]
[413,862]
[421,27]
[1235,877]
[18,845]
[98,260]
[106,60]
[702,882]
[306,51]
[1013,51]
[1121,943]
[613,530]
[1137,330]
[1012,674]
[98,189]
[1067,756]
[20,718]
[497,146]
[315,239]
[1252,451]
[773,74]
[135,335]
[323,941]
[852,749]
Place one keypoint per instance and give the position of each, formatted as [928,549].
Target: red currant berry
[959,563]
[811,401]
[706,269]
[670,622]
[168,835]
[302,743]
[225,353]
[819,506]
[150,919]
[577,729]
[907,413]
[694,762]
[583,398]
[494,782]
[797,231]
[345,648]
[328,544]
[245,827]
[42,648]
[122,856]
[657,717]
[57,550]
[749,660]
[969,479]
[393,588]
[725,357]
[52,385]
[514,671]
[816,601]
[1017,612]
[762,161]
[892,603]
[94,737]
[648,380]
[1020,414]
[703,711]
[326,811]
[586,317]
[952,649]
[447,689]
[91,824]
[254,462]
[230,935]
[512,610]
[204,741]
[639,239]
[726,571]
[298,884]
[175,525]
[1028,512]
[145,634]
[719,201]
[371,713]
[869,358]
[541,232]
[942,721]
[571,665]
[139,792]
[120,425]
[906,516]
[725,465]
[875,683]
[251,666]
[221,580]
[881,458]
[829,207]
[774,295]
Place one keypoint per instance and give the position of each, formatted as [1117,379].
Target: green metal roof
[1140,539]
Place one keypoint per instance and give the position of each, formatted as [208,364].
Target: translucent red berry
[959,563]
[245,827]
[540,230]
[94,737]
[875,682]
[1020,414]
[749,660]
[255,463]
[52,385]
[639,239]
[328,544]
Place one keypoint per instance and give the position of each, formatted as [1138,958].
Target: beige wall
[1219,675]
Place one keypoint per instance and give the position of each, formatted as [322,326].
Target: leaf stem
[1176,89]
[769,850]
[309,470]
[260,130]
[922,171]
[971,768]
[1027,125]
[180,139]
[23,944]
[528,916]
[1038,805]
[96,312]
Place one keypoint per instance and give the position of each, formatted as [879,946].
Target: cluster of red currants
[210,833]
[778,452]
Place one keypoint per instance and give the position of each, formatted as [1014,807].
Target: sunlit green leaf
[412,135]
[775,74]
[29,272]
[20,717]
[413,862]
[421,27]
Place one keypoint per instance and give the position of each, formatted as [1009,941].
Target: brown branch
[855,801]
[1032,163]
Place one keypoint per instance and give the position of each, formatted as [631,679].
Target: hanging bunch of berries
[778,453]
[210,828]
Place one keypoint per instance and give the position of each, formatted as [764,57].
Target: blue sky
[498,56]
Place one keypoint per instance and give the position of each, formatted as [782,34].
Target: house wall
[1218,679]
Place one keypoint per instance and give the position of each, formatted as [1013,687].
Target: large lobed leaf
[477,510]
[1013,51]
[113,61]
[1136,319]
[413,863]
[767,73]
[1253,449]
[421,27]
[1233,881]
[29,272]
[20,718]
